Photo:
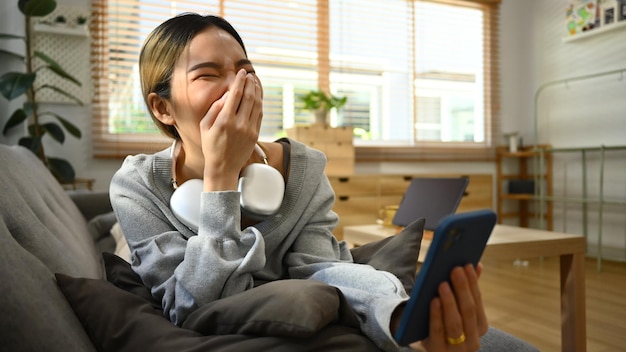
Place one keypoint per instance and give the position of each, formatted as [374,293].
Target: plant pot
[321,117]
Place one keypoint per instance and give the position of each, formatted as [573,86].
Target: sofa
[65,289]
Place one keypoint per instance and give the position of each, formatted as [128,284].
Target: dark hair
[163,47]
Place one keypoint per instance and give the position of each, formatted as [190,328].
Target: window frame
[120,145]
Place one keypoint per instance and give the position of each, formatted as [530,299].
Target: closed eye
[208,75]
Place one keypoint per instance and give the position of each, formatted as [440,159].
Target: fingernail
[224,96]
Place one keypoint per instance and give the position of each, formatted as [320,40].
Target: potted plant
[15,84]
[81,20]
[321,103]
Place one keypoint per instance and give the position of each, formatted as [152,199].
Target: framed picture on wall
[582,16]
[609,12]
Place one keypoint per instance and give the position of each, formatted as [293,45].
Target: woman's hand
[229,131]
[457,318]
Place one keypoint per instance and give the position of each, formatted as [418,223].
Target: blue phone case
[459,239]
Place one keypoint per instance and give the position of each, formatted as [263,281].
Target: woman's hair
[164,46]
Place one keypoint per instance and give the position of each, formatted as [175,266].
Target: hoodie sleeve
[182,269]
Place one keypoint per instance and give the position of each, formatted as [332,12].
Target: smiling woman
[418,89]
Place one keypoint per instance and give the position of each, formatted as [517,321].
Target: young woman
[202,91]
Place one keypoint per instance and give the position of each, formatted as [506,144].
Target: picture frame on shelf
[609,12]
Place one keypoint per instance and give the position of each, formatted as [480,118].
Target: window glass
[410,75]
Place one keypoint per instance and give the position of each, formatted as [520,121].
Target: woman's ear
[160,109]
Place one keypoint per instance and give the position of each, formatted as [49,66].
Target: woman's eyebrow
[204,65]
[208,64]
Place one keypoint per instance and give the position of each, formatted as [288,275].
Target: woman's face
[203,73]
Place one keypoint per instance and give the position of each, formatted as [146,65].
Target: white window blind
[388,57]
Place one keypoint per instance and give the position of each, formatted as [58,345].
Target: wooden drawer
[355,205]
[394,184]
[317,133]
[339,166]
[354,185]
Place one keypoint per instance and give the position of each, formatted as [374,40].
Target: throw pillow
[121,321]
[259,311]
[396,254]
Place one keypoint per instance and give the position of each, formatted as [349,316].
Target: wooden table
[511,242]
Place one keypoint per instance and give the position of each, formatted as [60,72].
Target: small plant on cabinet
[321,104]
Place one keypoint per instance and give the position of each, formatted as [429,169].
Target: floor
[523,300]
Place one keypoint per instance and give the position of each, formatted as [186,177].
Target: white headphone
[262,188]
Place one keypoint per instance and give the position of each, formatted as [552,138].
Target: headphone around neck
[262,188]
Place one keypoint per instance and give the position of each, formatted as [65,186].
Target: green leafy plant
[317,99]
[81,20]
[321,103]
[16,84]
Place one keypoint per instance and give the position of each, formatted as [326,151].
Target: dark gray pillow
[120,321]
[259,311]
[396,254]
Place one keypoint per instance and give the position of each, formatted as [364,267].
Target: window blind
[454,102]
[371,51]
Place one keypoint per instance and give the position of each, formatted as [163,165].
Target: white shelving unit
[596,31]
[601,200]
[78,31]
[67,44]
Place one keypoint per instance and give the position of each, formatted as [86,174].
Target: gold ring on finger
[456,341]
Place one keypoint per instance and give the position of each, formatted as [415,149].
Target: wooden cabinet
[522,178]
[334,142]
[359,198]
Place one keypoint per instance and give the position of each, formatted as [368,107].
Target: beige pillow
[121,246]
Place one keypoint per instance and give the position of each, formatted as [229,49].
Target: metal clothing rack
[539,164]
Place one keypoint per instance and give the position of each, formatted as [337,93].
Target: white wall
[77,151]
[532,53]
[582,113]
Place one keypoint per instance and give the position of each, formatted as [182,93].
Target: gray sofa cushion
[42,218]
[35,314]
[42,232]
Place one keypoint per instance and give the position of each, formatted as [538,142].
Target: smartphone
[459,239]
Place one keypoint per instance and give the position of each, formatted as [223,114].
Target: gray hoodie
[186,270]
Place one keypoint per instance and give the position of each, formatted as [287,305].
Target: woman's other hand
[457,316]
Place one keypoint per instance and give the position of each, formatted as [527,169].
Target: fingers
[436,340]
[481,316]
[466,307]
[479,269]
[236,116]
[454,323]
[257,112]
[246,101]
[457,317]
[236,91]
[216,107]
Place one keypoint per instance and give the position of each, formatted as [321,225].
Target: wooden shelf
[512,215]
[78,31]
[521,161]
[517,196]
[520,177]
